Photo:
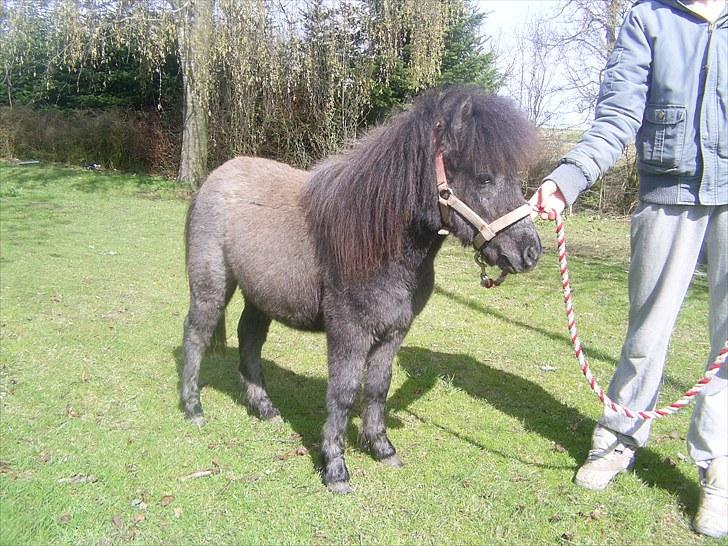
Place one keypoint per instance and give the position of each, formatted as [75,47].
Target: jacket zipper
[705,106]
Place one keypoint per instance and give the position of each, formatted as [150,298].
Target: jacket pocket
[661,138]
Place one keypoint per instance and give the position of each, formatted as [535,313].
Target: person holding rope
[665,83]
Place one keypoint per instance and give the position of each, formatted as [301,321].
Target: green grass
[92,299]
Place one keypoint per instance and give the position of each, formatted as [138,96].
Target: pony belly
[299,313]
[289,296]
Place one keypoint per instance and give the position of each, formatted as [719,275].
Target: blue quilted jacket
[665,83]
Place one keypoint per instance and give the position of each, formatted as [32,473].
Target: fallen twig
[200,474]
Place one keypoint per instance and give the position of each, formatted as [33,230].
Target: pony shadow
[300,399]
[529,403]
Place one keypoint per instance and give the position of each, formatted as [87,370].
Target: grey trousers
[665,244]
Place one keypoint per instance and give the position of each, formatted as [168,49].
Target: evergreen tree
[464,61]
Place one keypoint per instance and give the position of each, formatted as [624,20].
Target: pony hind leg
[377,378]
[202,318]
[252,332]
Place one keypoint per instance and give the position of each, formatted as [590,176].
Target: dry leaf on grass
[79,478]
[296,452]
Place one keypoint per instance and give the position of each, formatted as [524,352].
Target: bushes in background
[614,193]
[129,140]
[148,141]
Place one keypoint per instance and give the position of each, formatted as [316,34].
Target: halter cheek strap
[442,189]
[448,200]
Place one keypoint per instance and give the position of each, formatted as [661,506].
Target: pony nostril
[530,256]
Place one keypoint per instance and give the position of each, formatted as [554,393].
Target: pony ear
[464,113]
[438,134]
[466,109]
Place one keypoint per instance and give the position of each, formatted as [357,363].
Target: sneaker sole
[713,532]
[599,487]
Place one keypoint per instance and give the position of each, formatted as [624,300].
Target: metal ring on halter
[485,280]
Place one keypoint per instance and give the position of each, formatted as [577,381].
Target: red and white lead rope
[686,398]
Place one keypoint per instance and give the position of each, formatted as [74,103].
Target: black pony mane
[360,204]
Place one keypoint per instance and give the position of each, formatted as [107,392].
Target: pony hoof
[197,420]
[270,415]
[393,461]
[340,488]
[274,419]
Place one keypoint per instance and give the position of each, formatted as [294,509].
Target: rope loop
[687,397]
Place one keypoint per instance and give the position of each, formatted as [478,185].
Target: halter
[448,200]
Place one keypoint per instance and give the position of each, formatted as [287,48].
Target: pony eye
[483,178]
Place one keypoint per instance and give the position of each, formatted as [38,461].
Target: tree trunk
[194,36]
[612,23]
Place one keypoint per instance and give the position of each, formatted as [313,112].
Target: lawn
[487,406]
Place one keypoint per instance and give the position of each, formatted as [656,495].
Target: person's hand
[548,201]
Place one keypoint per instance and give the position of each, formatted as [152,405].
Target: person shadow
[301,402]
[535,408]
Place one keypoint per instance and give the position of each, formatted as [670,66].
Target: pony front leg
[377,378]
[346,354]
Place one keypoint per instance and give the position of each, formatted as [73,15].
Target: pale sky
[504,17]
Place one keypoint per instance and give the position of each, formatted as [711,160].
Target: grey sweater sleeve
[618,114]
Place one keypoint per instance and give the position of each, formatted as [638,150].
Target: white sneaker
[608,457]
[712,516]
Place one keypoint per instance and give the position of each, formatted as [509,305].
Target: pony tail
[188,219]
